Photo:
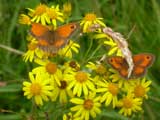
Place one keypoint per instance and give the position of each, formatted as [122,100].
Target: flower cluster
[83,85]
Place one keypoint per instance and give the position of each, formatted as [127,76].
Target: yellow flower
[49,69]
[39,15]
[39,88]
[100,71]
[110,92]
[114,49]
[67,8]
[129,104]
[89,20]
[54,14]
[140,88]
[69,116]
[33,51]
[122,82]
[80,81]
[24,19]
[61,90]
[89,106]
[67,51]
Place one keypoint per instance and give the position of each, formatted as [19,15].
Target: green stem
[90,46]
[34,115]
[93,53]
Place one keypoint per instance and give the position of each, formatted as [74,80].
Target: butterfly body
[52,40]
[141,63]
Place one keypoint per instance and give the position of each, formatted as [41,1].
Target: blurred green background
[121,15]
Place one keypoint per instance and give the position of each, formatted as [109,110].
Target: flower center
[63,84]
[52,13]
[81,76]
[35,88]
[32,46]
[113,88]
[90,17]
[51,68]
[101,70]
[139,91]
[88,104]
[40,9]
[127,103]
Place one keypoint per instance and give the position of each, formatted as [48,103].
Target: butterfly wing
[63,34]
[119,64]
[141,63]
[52,41]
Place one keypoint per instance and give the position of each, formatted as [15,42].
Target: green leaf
[11,88]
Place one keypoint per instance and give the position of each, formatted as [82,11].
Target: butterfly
[52,40]
[141,63]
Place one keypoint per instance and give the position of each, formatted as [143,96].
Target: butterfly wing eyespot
[143,60]
[67,30]
[141,63]
[119,64]
[62,35]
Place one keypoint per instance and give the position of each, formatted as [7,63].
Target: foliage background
[121,15]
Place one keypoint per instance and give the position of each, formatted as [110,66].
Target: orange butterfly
[52,40]
[141,63]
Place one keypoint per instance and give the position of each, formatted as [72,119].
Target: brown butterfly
[141,63]
[52,40]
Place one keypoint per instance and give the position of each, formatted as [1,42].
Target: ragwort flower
[33,52]
[67,50]
[24,19]
[114,49]
[39,15]
[129,104]
[80,81]
[39,88]
[48,68]
[61,90]
[100,71]
[109,92]
[54,14]
[89,20]
[140,88]
[89,106]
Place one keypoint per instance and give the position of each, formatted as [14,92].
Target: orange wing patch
[38,30]
[43,43]
[59,43]
[141,63]
[49,40]
[65,31]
